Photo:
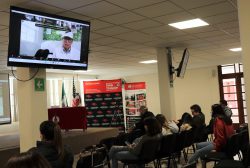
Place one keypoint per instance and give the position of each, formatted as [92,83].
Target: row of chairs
[167,148]
[237,144]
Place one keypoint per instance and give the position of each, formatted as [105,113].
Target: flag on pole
[64,98]
[74,89]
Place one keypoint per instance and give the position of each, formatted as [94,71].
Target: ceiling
[124,32]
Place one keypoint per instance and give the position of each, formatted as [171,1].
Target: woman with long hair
[222,128]
[153,131]
[26,160]
[51,146]
[168,127]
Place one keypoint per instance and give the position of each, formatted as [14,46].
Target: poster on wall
[135,97]
[103,102]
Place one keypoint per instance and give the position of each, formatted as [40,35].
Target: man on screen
[66,51]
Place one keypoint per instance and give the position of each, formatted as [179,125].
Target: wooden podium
[69,117]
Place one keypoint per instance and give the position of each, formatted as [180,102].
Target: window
[232,89]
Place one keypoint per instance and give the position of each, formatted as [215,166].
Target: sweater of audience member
[199,120]
[222,132]
[138,142]
[171,128]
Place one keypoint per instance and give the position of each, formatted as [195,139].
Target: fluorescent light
[82,71]
[148,62]
[235,49]
[189,24]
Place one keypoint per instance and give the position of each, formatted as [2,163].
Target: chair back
[180,142]
[167,147]
[246,155]
[149,150]
[233,145]
[189,138]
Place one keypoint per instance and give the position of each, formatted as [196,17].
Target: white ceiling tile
[158,9]
[227,25]
[158,43]
[124,44]
[66,4]
[194,3]
[99,9]
[94,36]
[97,24]
[210,34]
[122,18]
[140,37]
[157,30]
[231,16]
[100,48]
[132,4]
[200,29]
[106,41]
[214,9]
[171,34]
[33,5]
[142,24]
[74,15]
[175,17]
[114,30]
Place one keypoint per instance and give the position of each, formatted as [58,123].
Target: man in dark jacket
[198,123]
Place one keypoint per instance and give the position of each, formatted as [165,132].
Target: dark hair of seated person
[153,126]
[187,118]
[196,108]
[52,132]
[30,159]
[218,111]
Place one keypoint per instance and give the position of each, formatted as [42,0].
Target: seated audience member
[28,159]
[51,146]
[168,127]
[131,151]
[138,129]
[187,122]
[179,122]
[227,110]
[222,128]
[199,125]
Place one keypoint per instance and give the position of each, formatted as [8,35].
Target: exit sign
[39,84]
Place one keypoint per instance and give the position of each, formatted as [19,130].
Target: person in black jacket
[138,129]
[199,124]
[51,146]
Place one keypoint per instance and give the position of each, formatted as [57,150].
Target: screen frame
[183,64]
[16,40]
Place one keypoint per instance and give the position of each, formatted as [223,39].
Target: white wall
[200,86]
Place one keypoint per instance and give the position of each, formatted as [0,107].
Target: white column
[244,22]
[166,91]
[32,107]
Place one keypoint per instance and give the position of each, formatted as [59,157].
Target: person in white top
[66,51]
